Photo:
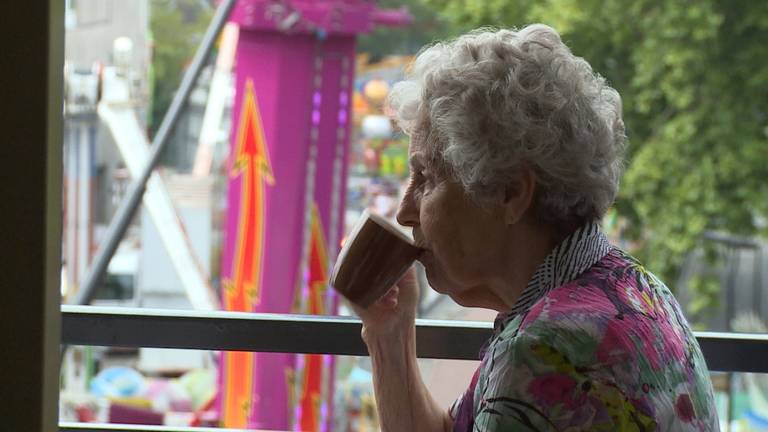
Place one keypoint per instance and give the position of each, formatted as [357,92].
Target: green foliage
[177,28]
[706,285]
[694,79]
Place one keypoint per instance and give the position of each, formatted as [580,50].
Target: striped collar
[578,252]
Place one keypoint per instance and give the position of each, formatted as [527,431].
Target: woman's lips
[418,241]
[423,256]
[422,251]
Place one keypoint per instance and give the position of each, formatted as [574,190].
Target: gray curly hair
[491,101]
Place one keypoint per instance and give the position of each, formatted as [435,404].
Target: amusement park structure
[291,64]
[293,83]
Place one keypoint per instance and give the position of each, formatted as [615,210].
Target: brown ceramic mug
[374,257]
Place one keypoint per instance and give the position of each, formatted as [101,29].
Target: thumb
[409,287]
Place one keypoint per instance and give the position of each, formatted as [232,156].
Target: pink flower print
[613,346]
[684,408]
[643,301]
[553,389]
[674,343]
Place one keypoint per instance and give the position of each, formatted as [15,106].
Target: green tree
[177,28]
[694,79]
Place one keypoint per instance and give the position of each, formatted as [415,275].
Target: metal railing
[237,331]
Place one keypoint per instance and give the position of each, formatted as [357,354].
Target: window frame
[219,330]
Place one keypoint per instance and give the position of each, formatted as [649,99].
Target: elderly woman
[515,155]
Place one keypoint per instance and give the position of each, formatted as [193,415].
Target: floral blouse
[595,343]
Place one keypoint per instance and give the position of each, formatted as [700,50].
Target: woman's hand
[402,400]
[394,312]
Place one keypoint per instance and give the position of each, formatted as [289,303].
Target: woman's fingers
[396,307]
[408,279]
[409,287]
[390,298]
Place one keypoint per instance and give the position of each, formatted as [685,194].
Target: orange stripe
[238,388]
[313,366]
[242,293]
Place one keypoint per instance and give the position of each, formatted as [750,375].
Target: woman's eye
[426,180]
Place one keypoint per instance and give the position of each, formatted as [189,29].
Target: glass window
[284,141]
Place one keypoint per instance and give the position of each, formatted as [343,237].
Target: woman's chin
[436,277]
[424,258]
[439,284]
[434,281]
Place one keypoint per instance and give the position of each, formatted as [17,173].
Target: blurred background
[285,140]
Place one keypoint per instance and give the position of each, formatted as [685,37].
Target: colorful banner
[309,413]
[285,219]
[241,293]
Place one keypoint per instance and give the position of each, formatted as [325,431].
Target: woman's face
[463,242]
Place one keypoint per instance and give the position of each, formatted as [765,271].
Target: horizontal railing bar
[108,427]
[734,352]
[238,331]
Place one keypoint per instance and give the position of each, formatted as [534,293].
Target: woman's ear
[518,196]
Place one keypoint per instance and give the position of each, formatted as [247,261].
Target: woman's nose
[408,212]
